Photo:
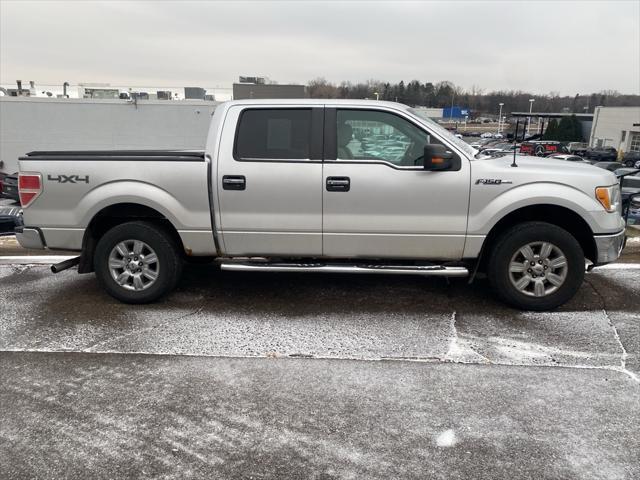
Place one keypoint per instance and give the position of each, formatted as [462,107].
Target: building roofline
[584,116]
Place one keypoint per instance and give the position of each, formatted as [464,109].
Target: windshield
[443,132]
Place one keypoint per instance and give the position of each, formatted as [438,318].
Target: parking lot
[317,376]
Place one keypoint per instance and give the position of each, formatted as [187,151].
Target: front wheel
[536,266]
[137,262]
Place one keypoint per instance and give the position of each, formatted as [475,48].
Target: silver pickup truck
[324,186]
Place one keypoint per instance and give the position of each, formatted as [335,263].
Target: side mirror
[437,157]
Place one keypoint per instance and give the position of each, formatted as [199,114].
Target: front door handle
[234,182]
[338,184]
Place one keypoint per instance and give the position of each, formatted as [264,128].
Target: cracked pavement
[257,375]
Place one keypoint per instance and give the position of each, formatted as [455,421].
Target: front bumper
[609,247]
[30,238]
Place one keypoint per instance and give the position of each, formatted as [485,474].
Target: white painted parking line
[33,260]
[619,266]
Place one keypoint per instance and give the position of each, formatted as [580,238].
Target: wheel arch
[117,214]
[560,216]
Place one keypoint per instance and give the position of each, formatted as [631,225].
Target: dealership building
[617,127]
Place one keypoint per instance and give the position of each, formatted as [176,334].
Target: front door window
[379,136]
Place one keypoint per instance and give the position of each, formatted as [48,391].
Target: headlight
[609,198]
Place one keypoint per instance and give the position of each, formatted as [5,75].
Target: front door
[269,180]
[378,201]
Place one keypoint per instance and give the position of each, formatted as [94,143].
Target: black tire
[169,261]
[509,244]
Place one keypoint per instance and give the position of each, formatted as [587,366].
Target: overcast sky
[537,46]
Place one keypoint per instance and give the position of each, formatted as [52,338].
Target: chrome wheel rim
[134,265]
[538,269]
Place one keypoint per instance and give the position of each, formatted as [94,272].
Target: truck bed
[77,185]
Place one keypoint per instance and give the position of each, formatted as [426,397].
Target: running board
[426,270]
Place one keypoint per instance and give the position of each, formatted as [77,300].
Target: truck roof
[315,101]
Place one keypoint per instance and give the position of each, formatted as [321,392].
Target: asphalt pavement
[257,375]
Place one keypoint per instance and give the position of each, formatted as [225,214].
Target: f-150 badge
[492,181]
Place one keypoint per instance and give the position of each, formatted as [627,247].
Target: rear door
[270,180]
[378,200]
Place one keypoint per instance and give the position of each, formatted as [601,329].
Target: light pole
[500,116]
[465,122]
[531,100]
[453,94]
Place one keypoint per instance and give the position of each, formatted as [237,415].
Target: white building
[37,123]
[434,113]
[617,127]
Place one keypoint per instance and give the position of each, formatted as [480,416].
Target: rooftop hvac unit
[194,93]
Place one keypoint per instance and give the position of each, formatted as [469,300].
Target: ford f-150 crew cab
[324,186]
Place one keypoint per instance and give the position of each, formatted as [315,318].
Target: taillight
[29,187]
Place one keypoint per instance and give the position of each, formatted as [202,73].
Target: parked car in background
[611,166]
[498,145]
[486,135]
[602,154]
[630,183]
[495,152]
[625,171]
[9,220]
[542,148]
[569,158]
[10,187]
[631,159]
[577,148]
[633,213]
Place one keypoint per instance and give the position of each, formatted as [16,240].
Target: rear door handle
[234,182]
[338,184]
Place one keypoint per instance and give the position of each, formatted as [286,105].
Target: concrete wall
[35,123]
[609,123]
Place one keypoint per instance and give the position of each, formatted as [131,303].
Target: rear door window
[273,134]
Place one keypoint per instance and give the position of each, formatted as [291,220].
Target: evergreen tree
[551,131]
[569,130]
[577,129]
[401,92]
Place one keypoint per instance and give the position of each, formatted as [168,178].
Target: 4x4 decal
[68,178]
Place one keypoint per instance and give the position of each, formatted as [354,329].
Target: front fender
[485,212]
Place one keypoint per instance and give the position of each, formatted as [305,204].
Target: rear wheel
[536,266]
[137,262]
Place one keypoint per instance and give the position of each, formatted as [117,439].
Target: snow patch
[461,350]
[446,439]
